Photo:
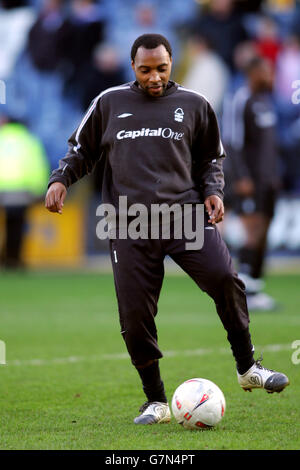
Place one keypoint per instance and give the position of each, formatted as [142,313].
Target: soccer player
[160,143]
[255,163]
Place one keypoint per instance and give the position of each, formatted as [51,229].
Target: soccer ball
[198,403]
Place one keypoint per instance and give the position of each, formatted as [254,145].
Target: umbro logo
[124,115]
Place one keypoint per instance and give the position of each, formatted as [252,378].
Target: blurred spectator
[284,13]
[243,54]
[104,72]
[63,40]
[46,36]
[24,173]
[253,150]
[207,73]
[16,18]
[131,18]
[47,63]
[223,27]
[83,29]
[268,43]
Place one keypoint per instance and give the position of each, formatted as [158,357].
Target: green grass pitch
[69,384]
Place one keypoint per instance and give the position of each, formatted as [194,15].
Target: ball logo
[178,115]
[187,416]
[178,404]
[199,424]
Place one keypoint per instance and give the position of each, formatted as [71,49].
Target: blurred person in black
[83,30]
[255,166]
[223,27]
[46,37]
[63,40]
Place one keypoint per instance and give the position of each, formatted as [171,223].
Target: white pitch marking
[122,356]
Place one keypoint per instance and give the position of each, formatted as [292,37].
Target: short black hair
[150,41]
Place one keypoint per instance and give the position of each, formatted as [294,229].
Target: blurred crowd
[57,55]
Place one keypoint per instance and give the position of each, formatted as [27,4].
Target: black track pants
[138,274]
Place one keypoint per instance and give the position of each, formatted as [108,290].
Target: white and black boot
[153,412]
[260,377]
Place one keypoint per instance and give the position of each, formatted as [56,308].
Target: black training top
[251,130]
[153,149]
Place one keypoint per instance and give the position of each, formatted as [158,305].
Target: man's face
[152,68]
[263,77]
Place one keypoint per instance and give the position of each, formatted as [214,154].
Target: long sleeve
[208,156]
[84,149]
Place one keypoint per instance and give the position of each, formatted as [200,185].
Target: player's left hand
[215,209]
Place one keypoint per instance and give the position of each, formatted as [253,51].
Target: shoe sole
[162,421]
[278,390]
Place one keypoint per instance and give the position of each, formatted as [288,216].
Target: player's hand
[55,197]
[244,187]
[215,209]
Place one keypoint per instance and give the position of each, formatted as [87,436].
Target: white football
[198,403]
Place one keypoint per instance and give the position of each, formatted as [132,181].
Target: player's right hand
[55,197]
